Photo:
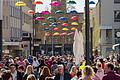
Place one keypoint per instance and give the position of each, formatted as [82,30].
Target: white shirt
[100,73]
[14,75]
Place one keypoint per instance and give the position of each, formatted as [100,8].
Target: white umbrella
[78,49]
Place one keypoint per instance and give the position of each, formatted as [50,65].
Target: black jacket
[66,76]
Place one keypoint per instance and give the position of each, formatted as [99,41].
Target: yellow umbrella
[56,34]
[20,3]
[74,24]
[65,29]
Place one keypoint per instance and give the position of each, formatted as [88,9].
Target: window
[117,16]
[116,1]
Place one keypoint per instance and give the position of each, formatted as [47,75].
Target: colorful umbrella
[71,2]
[74,18]
[71,33]
[56,34]
[59,12]
[91,2]
[37,2]
[55,3]
[73,12]
[65,29]
[46,29]
[31,12]
[51,18]
[44,24]
[63,18]
[56,29]
[20,3]
[65,24]
[47,34]
[73,28]
[54,24]
[74,24]
[39,18]
[45,12]
[63,34]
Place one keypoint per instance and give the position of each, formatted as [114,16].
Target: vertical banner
[1,9]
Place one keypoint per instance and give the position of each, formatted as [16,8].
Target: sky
[79,6]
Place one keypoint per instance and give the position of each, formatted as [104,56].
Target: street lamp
[20,4]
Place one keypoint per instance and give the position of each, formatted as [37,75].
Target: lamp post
[87,24]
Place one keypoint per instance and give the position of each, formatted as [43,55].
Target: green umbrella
[51,18]
[44,24]
[71,2]
[59,12]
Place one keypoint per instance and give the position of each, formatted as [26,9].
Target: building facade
[11,26]
[109,21]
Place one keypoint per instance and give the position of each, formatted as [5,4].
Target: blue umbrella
[73,12]
[46,29]
[71,2]
[91,2]
[54,24]
[63,18]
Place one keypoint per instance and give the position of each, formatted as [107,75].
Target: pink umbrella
[39,18]
[55,3]
[63,34]
[74,18]
[45,12]
[72,33]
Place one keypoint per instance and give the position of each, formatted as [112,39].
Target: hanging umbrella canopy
[56,29]
[73,12]
[91,2]
[37,2]
[44,24]
[63,34]
[31,12]
[39,18]
[59,12]
[63,18]
[74,24]
[54,24]
[74,18]
[56,34]
[65,24]
[65,29]
[46,29]
[73,28]
[55,3]
[51,18]
[71,2]
[47,34]
[71,33]
[20,3]
[45,12]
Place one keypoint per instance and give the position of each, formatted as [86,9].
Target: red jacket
[111,76]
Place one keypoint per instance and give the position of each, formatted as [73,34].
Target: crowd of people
[58,68]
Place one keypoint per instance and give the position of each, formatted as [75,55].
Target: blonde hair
[29,69]
[31,77]
[72,69]
[88,71]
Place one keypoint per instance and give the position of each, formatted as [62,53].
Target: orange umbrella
[73,28]
[56,34]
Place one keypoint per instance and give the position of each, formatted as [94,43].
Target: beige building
[11,26]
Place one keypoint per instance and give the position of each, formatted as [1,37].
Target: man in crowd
[62,75]
[110,74]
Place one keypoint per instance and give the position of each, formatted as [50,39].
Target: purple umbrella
[45,12]
[55,3]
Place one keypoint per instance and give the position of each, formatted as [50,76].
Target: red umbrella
[39,18]
[37,2]
[45,12]
[65,24]
[31,12]
[55,3]
[56,29]
[74,18]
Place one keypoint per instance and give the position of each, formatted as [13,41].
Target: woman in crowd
[87,73]
[7,76]
[73,71]
[45,73]
[31,77]
[29,70]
